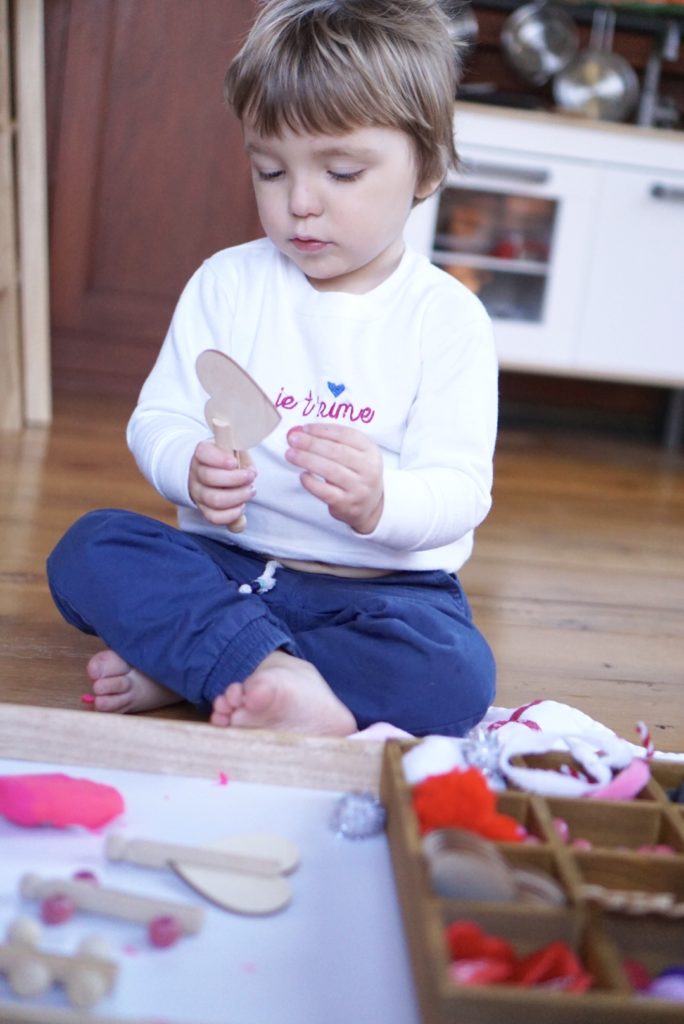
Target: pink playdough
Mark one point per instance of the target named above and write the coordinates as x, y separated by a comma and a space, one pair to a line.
58, 800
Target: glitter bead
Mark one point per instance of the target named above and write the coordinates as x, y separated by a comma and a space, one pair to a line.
358, 815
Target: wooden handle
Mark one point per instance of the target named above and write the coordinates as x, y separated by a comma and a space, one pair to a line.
113, 902
149, 853
223, 435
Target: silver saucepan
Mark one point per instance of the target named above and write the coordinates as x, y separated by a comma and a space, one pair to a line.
539, 39
598, 83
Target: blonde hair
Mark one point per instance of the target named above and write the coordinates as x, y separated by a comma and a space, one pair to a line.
330, 66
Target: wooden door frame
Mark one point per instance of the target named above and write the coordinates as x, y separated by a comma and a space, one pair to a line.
25, 384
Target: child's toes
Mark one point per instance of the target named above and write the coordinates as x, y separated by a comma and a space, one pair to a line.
111, 685
234, 696
113, 703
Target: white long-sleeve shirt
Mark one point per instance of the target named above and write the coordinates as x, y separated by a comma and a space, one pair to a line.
411, 364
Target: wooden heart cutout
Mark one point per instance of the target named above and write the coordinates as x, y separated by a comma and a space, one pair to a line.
236, 400
242, 892
238, 412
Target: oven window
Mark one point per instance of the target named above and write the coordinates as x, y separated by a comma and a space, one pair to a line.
499, 245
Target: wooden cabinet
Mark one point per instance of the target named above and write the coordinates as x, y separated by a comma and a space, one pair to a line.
575, 242
25, 395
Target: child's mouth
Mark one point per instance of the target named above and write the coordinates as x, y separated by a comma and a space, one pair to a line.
308, 244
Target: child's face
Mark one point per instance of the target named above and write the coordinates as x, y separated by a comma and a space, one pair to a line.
336, 204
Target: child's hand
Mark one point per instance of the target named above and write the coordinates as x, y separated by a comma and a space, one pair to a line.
219, 486
343, 468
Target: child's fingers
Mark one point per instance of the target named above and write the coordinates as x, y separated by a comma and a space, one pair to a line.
223, 499
327, 457
225, 479
333, 472
208, 453
348, 436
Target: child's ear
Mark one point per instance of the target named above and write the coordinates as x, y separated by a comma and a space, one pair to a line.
427, 187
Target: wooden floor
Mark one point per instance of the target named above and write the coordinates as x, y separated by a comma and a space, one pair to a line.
577, 578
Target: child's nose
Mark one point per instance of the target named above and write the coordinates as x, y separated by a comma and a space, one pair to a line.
304, 200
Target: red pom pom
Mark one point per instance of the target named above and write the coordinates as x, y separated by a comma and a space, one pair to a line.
467, 941
554, 964
462, 799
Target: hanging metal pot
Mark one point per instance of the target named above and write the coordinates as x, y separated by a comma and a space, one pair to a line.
539, 39
598, 83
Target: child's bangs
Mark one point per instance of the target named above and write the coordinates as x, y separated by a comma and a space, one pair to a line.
313, 102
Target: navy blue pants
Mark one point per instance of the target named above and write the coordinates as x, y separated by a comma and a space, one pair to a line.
400, 648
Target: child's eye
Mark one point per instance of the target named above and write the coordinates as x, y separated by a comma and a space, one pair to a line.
345, 175
268, 175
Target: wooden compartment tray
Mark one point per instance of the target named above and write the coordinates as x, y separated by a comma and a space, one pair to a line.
601, 937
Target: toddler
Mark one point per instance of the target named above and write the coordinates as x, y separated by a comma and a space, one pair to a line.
338, 605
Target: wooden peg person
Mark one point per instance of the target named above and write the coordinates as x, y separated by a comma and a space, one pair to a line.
153, 854
119, 903
86, 976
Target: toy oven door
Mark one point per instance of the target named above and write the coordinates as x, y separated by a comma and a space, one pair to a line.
514, 230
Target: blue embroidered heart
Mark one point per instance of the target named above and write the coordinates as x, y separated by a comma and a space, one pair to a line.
336, 389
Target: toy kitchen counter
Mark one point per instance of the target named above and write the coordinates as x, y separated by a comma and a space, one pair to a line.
569, 230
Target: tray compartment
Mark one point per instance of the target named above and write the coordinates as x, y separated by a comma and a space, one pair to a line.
543, 860
530, 929
632, 873
526, 810
655, 943
612, 824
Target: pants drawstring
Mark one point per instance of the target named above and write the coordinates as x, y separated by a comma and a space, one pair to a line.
262, 584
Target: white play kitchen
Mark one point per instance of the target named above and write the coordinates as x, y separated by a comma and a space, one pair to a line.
568, 226
571, 234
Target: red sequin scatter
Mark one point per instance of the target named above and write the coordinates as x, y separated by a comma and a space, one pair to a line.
462, 799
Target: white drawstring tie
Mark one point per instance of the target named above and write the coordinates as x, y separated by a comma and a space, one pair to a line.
262, 584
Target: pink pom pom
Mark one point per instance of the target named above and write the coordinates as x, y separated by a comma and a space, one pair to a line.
164, 931
562, 829
57, 909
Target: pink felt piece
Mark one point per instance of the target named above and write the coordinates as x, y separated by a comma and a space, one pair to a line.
626, 784
59, 800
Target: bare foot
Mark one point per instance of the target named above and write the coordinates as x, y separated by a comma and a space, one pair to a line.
120, 688
286, 694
